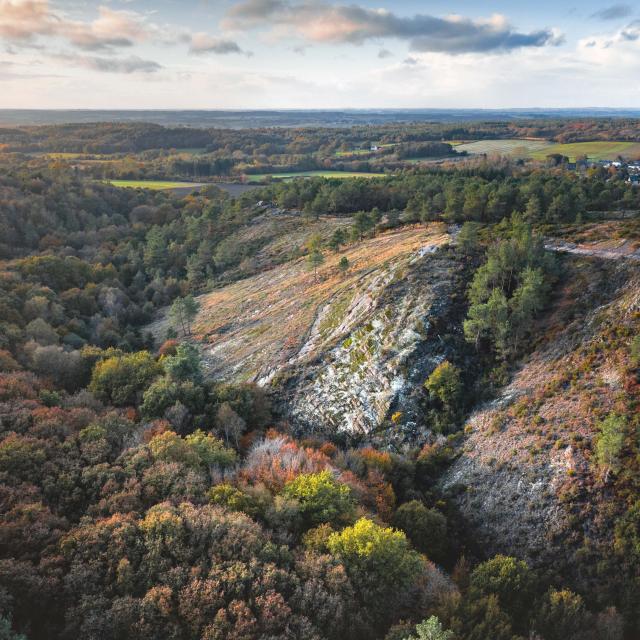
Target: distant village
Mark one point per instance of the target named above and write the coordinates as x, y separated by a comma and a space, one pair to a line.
631, 168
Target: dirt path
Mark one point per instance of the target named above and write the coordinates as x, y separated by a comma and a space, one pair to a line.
621, 252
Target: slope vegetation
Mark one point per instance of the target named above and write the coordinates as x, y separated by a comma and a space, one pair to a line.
534, 477
344, 346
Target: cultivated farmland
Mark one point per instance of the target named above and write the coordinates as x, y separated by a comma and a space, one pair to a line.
520, 147
597, 150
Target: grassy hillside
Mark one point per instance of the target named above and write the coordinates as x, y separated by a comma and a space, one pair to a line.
253, 326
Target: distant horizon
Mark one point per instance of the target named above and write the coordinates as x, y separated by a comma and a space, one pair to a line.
251, 118
316, 110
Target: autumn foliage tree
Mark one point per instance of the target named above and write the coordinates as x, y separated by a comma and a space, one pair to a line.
322, 499
122, 379
380, 562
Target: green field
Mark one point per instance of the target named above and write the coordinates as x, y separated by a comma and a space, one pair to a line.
261, 177
363, 152
63, 155
599, 150
354, 152
457, 143
514, 146
540, 149
155, 185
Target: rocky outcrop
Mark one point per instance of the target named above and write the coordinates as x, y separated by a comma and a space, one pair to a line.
374, 347
342, 352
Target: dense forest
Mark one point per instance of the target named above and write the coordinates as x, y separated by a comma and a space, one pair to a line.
150, 151
135, 137
141, 499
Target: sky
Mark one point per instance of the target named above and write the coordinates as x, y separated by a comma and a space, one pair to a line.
318, 54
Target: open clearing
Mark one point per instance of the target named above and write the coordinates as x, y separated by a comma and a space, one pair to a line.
353, 152
63, 155
154, 185
362, 152
515, 146
261, 177
597, 150
235, 189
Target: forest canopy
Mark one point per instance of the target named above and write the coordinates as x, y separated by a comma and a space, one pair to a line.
139, 498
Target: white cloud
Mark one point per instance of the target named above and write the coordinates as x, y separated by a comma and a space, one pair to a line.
24, 20
614, 12
111, 28
618, 51
205, 43
126, 65
319, 21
